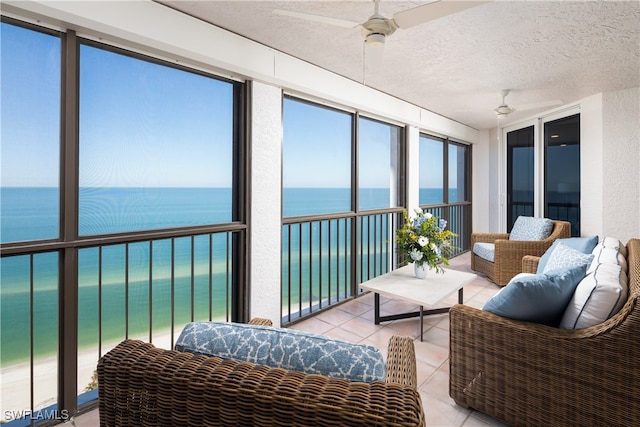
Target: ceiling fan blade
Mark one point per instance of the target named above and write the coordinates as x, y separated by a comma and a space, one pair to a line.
317, 18
428, 12
536, 105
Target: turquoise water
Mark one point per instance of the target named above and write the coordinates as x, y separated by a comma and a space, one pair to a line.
30, 214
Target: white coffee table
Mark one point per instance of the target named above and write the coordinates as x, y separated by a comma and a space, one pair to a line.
401, 284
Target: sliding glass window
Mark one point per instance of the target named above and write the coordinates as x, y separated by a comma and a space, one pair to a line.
520, 174
157, 152
30, 153
156, 145
29, 212
562, 170
148, 157
457, 172
445, 185
543, 169
341, 203
378, 164
316, 159
431, 170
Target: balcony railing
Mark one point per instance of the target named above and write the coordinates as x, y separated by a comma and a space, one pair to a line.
325, 257
145, 289
149, 285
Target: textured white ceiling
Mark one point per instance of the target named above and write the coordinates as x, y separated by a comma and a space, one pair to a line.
456, 65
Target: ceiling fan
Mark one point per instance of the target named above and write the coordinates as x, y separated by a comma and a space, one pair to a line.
377, 28
504, 110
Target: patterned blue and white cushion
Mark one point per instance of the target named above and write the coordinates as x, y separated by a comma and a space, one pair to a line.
564, 257
531, 228
485, 250
284, 348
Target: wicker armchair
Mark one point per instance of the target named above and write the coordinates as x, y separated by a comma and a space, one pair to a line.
141, 385
509, 253
528, 374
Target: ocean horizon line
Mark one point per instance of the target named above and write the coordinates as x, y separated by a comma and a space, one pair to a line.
194, 186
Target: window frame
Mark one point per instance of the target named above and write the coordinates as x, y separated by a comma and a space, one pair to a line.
69, 243
456, 213
363, 256
538, 163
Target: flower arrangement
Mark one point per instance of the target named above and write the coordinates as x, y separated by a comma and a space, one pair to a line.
425, 240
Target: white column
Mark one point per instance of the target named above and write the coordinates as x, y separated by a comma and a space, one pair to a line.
413, 168
591, 167
266, 201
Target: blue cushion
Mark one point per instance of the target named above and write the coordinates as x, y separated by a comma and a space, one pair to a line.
531, 228
540, 298
284, 348
582, 244
485, 250
564, 257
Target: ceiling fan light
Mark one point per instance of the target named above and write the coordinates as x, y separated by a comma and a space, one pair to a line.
504, 109
375, 40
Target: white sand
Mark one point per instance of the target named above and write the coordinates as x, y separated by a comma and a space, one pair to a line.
15, 380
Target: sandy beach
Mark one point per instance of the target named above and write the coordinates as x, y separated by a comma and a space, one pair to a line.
15, 379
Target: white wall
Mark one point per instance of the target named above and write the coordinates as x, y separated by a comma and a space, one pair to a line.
610, 155
621, 157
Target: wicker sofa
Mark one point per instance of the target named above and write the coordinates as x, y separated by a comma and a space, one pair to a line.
509, 253
529, 374
140, 385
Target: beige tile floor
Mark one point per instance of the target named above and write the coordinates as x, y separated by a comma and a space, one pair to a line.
353, 321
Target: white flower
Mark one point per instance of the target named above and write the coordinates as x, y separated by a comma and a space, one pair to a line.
416, 255
428, 215
418, 211
422, 240
434, 247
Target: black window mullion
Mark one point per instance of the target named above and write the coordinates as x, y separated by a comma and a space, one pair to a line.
355, 202
68, 296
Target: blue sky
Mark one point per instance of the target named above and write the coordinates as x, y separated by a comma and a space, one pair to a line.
30, 94
156, 126
312, 146
141, 124
317, 148
431, 163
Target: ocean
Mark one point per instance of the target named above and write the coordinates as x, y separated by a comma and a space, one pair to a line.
26, 214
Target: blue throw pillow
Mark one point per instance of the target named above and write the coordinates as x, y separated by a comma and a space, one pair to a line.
531, 228
540, 298
563, 257
582, 244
